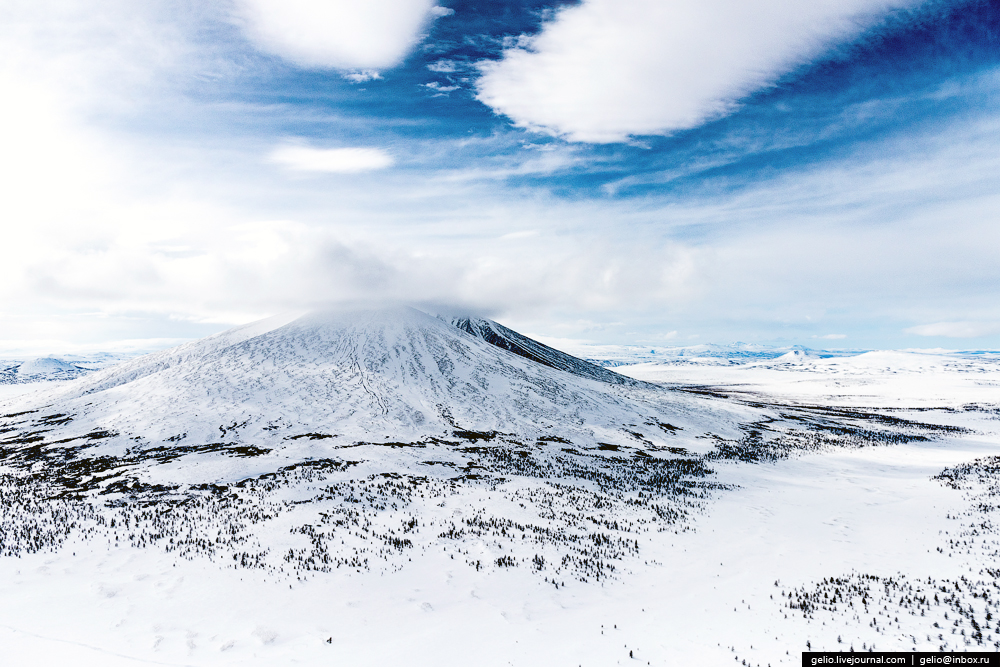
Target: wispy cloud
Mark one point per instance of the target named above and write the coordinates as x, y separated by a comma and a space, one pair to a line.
331, 160
957, 329
443, 66
362, 76
440, 89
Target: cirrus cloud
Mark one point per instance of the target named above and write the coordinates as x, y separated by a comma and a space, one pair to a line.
331, 160
956, 329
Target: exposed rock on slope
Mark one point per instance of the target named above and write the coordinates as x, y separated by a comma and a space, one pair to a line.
510, 340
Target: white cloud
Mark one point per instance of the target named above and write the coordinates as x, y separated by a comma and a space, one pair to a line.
341, 34
362, 76
331, 160
606, 69
831, 337
438, 88
957, 329
113, 227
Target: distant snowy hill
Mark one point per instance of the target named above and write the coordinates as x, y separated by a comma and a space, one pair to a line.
43, 369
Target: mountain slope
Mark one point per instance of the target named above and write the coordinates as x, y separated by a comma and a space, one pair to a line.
508, 339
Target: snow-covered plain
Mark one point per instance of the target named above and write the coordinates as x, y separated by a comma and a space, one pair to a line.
884, 379
533, 514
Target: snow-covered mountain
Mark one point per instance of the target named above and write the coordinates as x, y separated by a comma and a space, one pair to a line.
298, 388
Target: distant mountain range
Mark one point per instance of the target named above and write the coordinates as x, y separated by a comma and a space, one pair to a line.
611, 356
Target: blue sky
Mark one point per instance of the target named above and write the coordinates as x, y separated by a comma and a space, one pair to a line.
823, 174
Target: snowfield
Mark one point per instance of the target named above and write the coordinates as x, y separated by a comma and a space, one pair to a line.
385, 487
